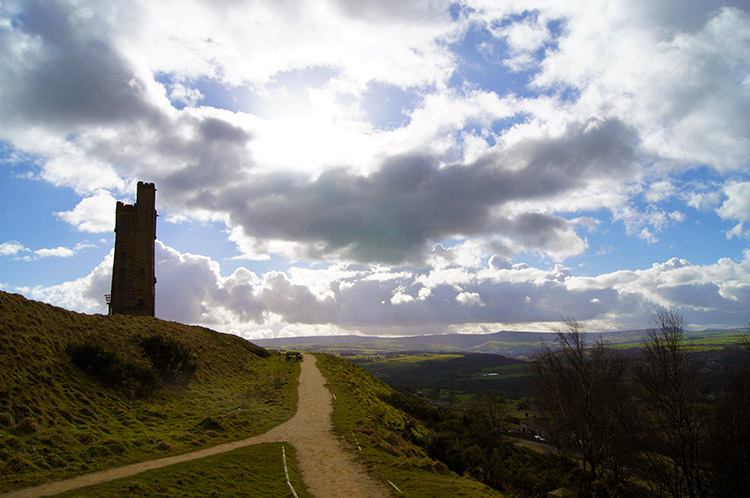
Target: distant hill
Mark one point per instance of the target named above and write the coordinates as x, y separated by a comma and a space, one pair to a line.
513, 344
59, 420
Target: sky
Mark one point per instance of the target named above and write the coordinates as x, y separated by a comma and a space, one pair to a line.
383, 167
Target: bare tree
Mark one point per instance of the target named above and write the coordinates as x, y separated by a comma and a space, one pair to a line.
583, 395
729, 447
674, 410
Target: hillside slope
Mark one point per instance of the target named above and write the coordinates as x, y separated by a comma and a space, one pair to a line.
57, 420
385, 436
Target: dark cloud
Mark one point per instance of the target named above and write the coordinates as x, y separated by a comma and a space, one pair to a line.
61, 71
217, 130
685, 15
707, 296
210, 161
391, 214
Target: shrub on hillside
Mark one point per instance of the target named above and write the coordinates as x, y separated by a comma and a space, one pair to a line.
112, 369
173, 360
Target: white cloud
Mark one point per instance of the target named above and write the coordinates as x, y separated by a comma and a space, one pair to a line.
524, 38
253, 42
702, 198
736, 207
367, 298
85, 294
181, 94
737, 204
57, 252
198, 154
93, 214
659, 191
649, 222
11, 248
23, 253
469, 299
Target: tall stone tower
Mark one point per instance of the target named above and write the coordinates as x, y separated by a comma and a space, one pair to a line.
133, 277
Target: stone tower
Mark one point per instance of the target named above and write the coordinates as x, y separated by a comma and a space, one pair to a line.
133, 277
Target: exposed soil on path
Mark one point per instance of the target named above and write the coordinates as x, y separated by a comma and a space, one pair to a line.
327, 469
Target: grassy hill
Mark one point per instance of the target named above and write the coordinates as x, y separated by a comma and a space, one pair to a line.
125, 405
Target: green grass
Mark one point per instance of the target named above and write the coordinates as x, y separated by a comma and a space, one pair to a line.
385, 434
57, 421
255, 471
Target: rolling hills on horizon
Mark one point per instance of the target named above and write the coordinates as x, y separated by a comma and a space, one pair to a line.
514, 344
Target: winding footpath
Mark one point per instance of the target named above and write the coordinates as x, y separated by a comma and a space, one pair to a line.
327, 469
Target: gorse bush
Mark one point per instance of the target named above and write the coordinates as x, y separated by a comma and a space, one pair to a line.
94, 359
111, 368
167, 360
173, 360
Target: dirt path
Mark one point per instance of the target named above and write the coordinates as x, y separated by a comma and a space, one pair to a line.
327, 469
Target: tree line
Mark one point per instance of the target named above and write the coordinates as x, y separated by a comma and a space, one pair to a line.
646, 417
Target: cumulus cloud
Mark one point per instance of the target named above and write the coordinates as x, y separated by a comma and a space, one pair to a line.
93, 214
659, 190
205, 160
678, 88
85, 294
62, 70
182, 95
364, 298
524, 38
648, 222
214, 39
423, 218
391, 214
11, 248
21, 252
736, 206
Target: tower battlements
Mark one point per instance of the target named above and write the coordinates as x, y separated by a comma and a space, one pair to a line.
133, 275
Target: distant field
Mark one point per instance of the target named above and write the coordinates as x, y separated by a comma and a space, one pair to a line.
455, 376
459, 377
